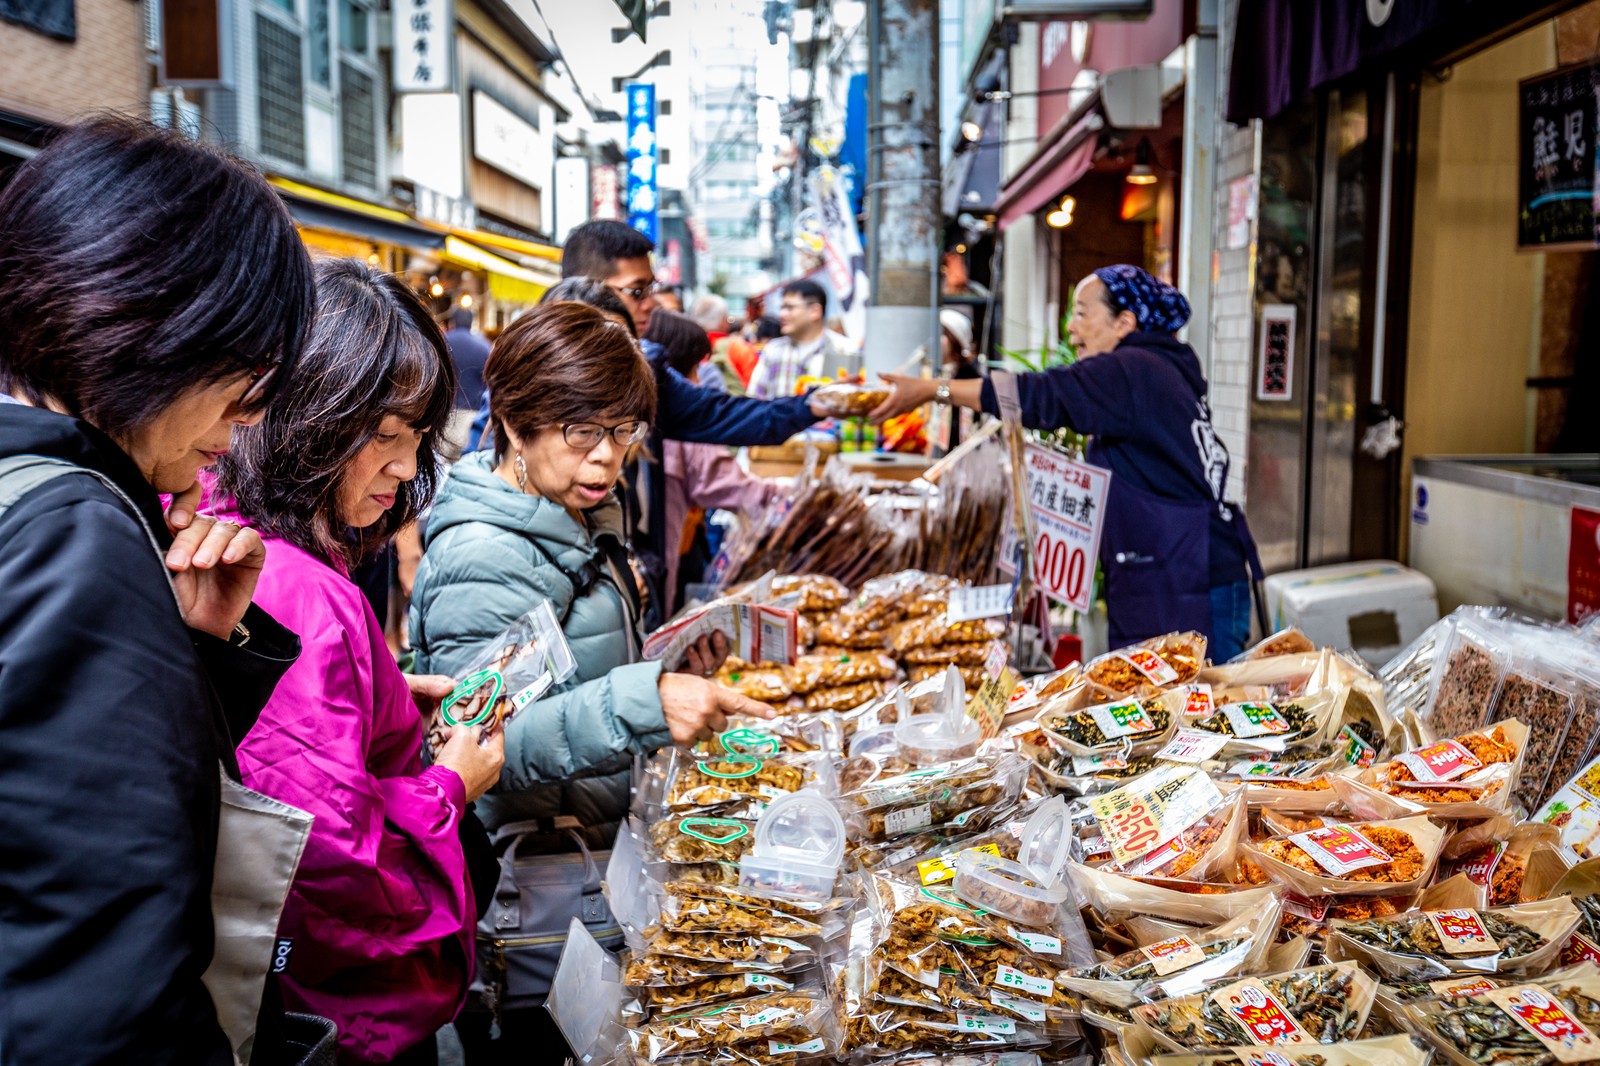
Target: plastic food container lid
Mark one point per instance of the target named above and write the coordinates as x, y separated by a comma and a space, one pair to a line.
879, 740
1047, 840
1013, 890
802, 827
933, 738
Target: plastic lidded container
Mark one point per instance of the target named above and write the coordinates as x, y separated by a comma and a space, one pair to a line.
930, 739
799, 842
1029, 890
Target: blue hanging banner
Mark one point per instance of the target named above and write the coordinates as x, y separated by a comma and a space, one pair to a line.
641, 189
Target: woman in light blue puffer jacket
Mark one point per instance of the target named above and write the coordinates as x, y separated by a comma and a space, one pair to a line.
537, 520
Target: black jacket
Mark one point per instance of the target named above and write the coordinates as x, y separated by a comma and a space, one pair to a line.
113, 718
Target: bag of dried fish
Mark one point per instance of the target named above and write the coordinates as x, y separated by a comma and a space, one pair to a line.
765, 682
812, 592
689, 907
1298, 782
1267, 727
1501, 865
789, 735
702, 839
874, 1029
969, 656
1289, 641
1158, 663
1180, 964
1465, 680
1542, 699
1419, 945
960, 794
655, 1000
1204, 851
1383, 1051
695, 783
782, 1016
845, 697
1465, 777
1308, 916
1125, 727
1555, 1019
933, 630
886, 985
812, 672
1078, 774
1173, 822
1382, 858
1324, 1005
1581, 884
1116, 897
650, 970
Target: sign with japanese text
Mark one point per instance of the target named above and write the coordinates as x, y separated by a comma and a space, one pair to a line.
1541, 1014
1583, 565
1255, 1008
1137, 819
1444, 761
606, 194
1275, 373
423, 39
640, 201
1340, 850
1068, 502
1556, 204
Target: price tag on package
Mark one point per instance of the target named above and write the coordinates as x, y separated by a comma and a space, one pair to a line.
1340, 850
979, 601
1255, 1008
1437, 763
1136, 819
1192, 746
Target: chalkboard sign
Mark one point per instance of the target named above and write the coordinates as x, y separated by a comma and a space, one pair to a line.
1557, 196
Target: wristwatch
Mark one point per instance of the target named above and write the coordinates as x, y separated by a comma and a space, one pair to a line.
941, 395
240, 635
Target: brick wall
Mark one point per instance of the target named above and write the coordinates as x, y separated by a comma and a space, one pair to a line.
1233, 298
58, 81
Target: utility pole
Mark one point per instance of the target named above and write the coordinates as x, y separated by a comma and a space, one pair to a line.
903, 217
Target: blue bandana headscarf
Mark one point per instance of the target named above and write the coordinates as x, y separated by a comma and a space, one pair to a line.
1159, 307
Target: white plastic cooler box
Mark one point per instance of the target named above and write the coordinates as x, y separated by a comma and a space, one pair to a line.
1375, 608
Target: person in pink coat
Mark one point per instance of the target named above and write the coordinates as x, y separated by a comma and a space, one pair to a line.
381, 914
698, 477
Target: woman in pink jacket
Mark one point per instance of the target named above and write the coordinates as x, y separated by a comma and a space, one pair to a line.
381, 914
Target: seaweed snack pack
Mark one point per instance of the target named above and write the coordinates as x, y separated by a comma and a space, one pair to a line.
521, 664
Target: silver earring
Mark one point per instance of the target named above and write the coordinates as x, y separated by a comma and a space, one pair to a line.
522, 472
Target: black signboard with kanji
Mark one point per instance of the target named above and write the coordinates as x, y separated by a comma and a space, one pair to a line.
1556, 165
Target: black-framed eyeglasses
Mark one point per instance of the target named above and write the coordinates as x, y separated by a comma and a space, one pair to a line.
585, 436
637, 294
260, 378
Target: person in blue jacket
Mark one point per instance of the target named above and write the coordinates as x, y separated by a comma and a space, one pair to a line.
1177, 555
618, 256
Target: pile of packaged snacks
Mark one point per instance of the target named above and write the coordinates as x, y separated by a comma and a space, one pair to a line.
1307, 894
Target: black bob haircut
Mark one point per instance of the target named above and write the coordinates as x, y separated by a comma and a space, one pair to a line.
593, 249
807, 290
374, 351
686, 344
136, 264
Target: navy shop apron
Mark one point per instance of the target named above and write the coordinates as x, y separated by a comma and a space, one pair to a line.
1157, 558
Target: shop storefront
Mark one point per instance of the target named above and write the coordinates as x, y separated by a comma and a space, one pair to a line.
1397, 314
1102, 186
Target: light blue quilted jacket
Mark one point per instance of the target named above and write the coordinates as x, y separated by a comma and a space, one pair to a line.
492, 554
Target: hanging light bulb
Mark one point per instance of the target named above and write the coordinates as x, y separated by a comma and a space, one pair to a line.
1061, 217
466, 299
435, 289
971, 131
1142, 173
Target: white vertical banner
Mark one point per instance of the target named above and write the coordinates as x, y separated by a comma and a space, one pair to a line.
423, 39
842, 255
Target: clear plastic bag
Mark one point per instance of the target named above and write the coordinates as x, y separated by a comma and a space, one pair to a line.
1465, 680
1383, 858
884, 804
1181, 963
694, 783
1123, 727
783, 1016
1323, 1005
1424, 945
1174, 659
1469, 777
1532, 1022
522, 663
1382, 1051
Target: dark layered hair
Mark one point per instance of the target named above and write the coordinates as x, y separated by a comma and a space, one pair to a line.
136, 264
565, 362
595, 294
809, 291
593, 249
375, 351
682, 339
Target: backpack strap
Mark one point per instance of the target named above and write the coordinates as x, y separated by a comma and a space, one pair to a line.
21, 474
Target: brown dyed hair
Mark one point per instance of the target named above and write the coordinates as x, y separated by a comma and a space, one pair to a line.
565, 362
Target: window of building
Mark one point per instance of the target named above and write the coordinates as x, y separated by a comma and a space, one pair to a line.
319, 37
280, 92
355, 27
664, 156
731, 228
358, 128
720, 191
735, 264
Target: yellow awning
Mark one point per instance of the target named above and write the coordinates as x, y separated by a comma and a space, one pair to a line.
507, 280
348, 203
530, 249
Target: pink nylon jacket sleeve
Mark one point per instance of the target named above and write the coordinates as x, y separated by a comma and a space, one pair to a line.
381, 912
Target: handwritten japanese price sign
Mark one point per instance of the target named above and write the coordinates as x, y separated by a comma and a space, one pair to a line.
1138, 818
1068, 500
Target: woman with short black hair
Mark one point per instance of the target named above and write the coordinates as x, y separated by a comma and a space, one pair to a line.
381, 909
153, 295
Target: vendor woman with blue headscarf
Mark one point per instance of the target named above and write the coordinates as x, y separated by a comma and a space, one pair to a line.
1177, 555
